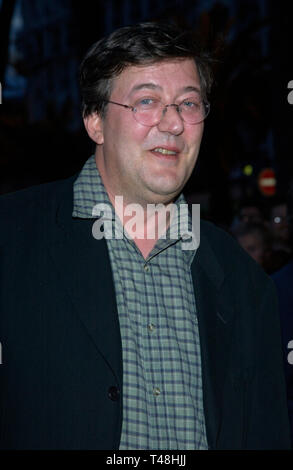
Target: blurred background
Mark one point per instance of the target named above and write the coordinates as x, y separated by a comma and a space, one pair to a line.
245, 166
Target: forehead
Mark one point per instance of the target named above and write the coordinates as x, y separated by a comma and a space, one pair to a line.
167, 76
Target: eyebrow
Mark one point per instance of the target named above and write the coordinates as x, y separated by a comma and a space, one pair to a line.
153, 86
190, 88
150, 85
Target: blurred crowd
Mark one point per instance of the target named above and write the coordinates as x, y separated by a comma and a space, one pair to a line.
264, 232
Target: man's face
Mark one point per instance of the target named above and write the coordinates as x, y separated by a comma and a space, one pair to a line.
251, 214
126, 156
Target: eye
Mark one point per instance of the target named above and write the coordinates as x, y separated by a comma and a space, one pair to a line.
145, 103
190, 104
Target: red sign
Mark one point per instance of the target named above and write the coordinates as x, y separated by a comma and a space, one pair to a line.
267, 182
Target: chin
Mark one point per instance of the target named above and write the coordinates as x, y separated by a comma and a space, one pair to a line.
167, 192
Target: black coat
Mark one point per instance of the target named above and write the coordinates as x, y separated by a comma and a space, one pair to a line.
284, 283
61, 371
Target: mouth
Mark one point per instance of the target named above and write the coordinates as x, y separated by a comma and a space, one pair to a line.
167, 153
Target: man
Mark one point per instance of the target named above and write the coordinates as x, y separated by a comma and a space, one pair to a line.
135, 342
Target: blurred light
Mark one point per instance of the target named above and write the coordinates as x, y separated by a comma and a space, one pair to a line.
248, 170
267, 182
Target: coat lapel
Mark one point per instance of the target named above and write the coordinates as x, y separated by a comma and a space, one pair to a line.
214, 318
84, 268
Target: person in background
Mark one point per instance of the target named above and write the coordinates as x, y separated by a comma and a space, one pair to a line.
251, 212
254, 239
262, 230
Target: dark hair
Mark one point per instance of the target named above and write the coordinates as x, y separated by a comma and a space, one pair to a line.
144, 43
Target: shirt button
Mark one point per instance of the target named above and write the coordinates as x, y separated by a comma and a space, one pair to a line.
113, 393
146, 268
151, 327
156, 391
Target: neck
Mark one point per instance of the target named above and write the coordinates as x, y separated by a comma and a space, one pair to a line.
145, 223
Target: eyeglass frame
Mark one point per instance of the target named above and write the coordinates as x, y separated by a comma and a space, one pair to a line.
165, 106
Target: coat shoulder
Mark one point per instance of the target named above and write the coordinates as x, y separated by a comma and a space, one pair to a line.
25, 208
34, 194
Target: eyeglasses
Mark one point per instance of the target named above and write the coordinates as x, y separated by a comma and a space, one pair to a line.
150, 111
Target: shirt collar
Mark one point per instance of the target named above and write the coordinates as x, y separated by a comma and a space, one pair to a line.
89, 190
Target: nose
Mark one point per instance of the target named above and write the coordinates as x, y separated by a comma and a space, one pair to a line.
171, 120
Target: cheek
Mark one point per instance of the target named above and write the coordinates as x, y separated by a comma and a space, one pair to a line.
197, 133
129, 135
193, 136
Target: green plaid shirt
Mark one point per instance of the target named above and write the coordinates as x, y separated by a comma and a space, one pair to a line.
162, 380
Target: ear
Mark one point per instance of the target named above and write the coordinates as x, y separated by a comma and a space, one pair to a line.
94, 127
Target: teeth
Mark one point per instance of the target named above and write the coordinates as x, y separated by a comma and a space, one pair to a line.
164, 151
